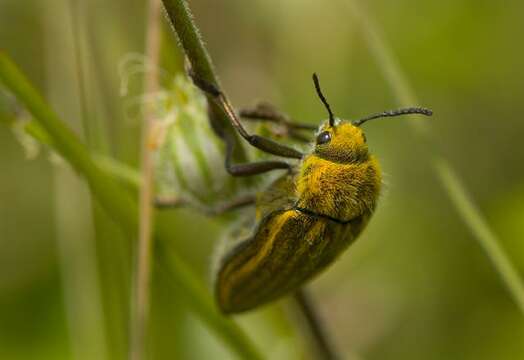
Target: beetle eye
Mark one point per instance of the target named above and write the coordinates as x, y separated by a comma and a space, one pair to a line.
323, 138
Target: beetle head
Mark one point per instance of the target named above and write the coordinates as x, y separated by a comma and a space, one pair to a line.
344, 141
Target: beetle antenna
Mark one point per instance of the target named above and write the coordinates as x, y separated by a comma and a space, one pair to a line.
323, 99
392, 113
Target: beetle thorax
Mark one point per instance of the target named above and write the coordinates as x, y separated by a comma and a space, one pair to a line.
340, 190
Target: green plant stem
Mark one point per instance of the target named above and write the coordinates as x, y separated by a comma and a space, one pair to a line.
472, 216
75, 8
117, 170
121, 207
450, 179
181, 19
92, 127
68, 145
140, 310
311, 317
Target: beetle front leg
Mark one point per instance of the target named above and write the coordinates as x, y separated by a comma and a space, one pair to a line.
267, 145
253, 168
236, 204
256, 168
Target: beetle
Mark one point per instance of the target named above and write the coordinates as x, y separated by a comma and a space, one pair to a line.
308, 216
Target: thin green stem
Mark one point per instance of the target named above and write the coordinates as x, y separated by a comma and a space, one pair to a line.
140, 310
91, 124
450, 179
118, 204
312, 319
75, 9
77, 256
488, 240
116, 169
181, 19
67, 144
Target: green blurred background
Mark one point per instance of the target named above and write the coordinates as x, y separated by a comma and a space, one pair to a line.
416, 285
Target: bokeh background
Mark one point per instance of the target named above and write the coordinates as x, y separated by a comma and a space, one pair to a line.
416, 285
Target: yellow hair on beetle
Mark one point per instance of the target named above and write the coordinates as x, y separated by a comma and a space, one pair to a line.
339, 179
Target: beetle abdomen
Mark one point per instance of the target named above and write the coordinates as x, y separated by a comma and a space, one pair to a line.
287, 248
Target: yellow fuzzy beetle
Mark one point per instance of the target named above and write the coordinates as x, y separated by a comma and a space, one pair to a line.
308, 216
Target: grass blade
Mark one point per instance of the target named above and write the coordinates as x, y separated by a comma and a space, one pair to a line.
141, 294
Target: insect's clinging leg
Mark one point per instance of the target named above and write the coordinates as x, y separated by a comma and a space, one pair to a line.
264, 144
255, 168
236, 204
266, 112
170, 203
287, 133
250, 169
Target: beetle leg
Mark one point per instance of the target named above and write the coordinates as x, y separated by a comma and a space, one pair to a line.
252, 168
267, 112
174, 203
233, 205
255, 168
264, 111
262, 143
